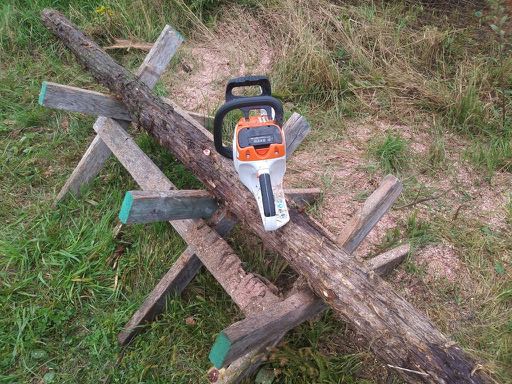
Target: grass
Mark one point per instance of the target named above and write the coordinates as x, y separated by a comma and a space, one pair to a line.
67, 285
391, 152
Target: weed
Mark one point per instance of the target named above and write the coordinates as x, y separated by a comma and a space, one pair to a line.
391, 152
437, 152
494, 154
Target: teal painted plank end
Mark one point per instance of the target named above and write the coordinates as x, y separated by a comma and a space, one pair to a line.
126, 207
219, 350
42, 94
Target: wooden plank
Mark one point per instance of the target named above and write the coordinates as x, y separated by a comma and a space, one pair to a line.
150, 206
173, 283
71, 99
386, 262
261, 329
159, 57
373, 209
296, 129
397, 333
149, 72
89, 166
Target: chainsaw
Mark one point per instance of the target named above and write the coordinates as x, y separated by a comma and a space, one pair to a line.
258, 149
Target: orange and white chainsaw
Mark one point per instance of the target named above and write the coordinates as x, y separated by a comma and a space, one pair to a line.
259, 148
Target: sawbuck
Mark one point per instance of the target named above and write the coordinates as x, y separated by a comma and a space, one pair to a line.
399, 335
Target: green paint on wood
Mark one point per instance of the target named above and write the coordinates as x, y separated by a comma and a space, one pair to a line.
126, 207
219, 350
42, 94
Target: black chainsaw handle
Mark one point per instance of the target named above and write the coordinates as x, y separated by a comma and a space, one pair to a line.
247, 81
253, 102
267, 195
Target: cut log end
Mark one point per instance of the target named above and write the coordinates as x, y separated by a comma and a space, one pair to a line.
220, 350
126, 207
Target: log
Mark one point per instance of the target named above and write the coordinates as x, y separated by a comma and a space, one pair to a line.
140, 207
397, 333
97, 154
260, 330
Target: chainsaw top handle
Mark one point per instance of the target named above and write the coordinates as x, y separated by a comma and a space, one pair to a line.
248, 81
246, 104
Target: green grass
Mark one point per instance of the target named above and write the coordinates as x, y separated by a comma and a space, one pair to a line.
67, 285
391, 152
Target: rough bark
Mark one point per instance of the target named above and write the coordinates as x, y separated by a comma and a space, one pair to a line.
397, 333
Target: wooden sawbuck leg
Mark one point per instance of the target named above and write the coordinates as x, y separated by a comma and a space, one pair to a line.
98, 153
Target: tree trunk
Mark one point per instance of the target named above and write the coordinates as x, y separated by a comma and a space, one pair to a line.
397, 333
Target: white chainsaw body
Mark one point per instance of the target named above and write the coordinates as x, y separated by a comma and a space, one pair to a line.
249, 172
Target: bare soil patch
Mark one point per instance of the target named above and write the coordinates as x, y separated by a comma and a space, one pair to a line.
239, 47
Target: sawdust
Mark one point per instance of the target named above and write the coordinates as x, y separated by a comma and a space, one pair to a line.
238, 47
458, 192
440, 261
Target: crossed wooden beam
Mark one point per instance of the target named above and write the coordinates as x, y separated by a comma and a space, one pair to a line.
240, 348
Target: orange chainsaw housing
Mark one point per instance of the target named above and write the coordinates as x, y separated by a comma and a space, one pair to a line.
273, 151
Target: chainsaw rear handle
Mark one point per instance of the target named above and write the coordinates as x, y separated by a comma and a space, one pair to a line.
267, 195
252, 102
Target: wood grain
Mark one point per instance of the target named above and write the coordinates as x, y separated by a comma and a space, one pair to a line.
140, 207
384, 263
153, 206
72, 99
295, 136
